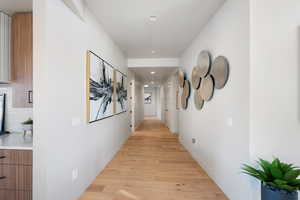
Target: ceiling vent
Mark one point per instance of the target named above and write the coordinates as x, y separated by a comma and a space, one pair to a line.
5, 37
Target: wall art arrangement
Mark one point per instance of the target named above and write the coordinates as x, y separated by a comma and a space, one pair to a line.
106, 89
147, 98
206, 76
120, 92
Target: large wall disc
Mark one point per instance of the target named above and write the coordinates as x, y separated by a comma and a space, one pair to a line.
196, 77
199, 102
204, 63
220, 71
181, 78
186, 89
207, 88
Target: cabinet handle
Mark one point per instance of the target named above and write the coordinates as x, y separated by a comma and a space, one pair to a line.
2, 157
30, 96
2, 177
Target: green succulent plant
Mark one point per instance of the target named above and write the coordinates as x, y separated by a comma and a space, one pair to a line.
278, 174
27, 122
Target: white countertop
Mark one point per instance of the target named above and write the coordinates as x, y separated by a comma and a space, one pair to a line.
16, 141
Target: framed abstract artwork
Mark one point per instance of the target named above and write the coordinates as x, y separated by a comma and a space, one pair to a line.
120, 92
147, 98
2, 113
100, 88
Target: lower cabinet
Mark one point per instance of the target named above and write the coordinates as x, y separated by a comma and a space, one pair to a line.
15, 174
15, 195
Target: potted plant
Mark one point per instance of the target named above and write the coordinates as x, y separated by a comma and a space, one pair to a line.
278, 179
27, 125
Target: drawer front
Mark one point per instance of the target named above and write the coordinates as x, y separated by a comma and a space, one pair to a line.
16, 157
16, 177
15, 195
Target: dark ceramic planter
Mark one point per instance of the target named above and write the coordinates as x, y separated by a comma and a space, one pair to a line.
273, 193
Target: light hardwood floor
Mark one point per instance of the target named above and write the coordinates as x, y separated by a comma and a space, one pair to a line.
152, 165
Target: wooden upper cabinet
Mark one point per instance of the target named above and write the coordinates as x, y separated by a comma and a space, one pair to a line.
21, 47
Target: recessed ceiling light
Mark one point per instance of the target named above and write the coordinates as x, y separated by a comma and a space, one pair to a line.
152, 82
152, 18
152, 72
153, 52
146, 85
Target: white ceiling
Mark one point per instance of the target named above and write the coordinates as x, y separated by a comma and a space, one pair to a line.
12, 6
178, 23
161, 74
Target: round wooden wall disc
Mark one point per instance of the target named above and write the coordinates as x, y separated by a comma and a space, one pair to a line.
220, 71
196, 77
199, 102
207, 88
181, 78
204, 63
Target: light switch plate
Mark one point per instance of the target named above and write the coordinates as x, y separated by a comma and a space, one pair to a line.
230, 122
74, 174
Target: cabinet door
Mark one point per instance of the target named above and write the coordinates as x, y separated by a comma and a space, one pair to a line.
22, 59
16, 177
15, 157
15, 195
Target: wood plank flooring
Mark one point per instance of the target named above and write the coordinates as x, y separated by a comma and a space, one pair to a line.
152, 165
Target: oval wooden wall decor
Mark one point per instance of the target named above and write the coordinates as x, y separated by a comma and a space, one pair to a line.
207, 88
185, 94
220, 71
206, 76
186, 89
183, 102
204, 63
196, 77
199, 102
181, 78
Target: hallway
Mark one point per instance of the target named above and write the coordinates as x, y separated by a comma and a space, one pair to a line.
152, 165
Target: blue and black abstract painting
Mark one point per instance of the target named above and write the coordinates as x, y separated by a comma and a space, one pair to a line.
101, 88
121, 92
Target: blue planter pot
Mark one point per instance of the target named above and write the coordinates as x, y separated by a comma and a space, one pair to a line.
273, 193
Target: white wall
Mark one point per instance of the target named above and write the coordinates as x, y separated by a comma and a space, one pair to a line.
61, 40
171, 113
139, 103
158, 103
162, 103
14, 116
130, 96
151, 109
275, 80
221, 148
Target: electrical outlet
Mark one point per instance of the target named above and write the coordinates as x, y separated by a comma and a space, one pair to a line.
74, 174
193, 141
